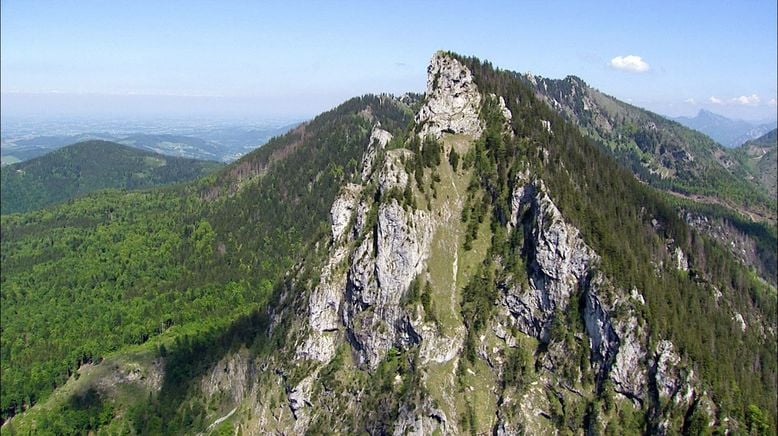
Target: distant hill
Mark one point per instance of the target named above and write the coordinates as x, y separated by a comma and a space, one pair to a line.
175, 145
725, 131
90, 166
760, 156
220, 143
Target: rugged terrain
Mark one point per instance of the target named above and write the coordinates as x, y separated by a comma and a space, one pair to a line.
468, 262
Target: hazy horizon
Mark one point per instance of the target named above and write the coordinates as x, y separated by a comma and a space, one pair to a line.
249, 60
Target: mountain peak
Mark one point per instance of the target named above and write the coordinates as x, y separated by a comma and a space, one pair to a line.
453, 99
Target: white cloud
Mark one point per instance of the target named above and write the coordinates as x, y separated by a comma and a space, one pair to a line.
715, 100
773, 102
747, 100
691, 101
631, 63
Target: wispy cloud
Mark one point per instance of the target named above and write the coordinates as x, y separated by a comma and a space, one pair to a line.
747, 100
690, 101
773, 102
631, 63
715, 100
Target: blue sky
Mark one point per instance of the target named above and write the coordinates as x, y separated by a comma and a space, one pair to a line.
252, 59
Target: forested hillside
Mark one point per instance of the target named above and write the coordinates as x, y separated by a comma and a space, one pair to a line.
658, 151
89, 166
471, 262
91, 276
760, 156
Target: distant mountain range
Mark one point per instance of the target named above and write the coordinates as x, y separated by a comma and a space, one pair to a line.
223, 144
725, 131
86, 167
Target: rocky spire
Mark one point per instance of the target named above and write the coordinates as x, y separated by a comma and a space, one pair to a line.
453, 99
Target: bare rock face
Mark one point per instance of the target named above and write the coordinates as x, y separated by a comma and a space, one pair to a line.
453, 100
379, 277
343, 209
681, 263
424, 420
393, 173
233, 376
382, 269
672, 382
562, 266
300, 403
378, 140
561, 260
628, 372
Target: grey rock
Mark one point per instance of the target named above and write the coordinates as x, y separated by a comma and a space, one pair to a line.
560, 264
233, 377
681, 263
378, 140
393, 173
453, 99
343, 209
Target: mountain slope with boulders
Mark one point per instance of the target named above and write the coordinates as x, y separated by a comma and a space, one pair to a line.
89, 166
467, 263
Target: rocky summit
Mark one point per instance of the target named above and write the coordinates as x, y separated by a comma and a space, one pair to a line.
480, 267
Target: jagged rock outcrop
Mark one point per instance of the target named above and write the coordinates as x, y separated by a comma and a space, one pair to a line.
384, 266
300, 402
378, 140
233, 376
681, 263
453, 100
424, 421
561, 266
672, 380
560, 262
343, 209
361, 293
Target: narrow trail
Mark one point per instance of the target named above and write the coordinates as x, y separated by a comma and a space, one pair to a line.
220, 420
455, 264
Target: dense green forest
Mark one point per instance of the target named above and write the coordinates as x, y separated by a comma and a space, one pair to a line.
89, 166
90, 276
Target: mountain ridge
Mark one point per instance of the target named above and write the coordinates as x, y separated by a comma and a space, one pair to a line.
458, 266
85, 167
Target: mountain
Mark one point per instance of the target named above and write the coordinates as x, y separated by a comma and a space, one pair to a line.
712, 187
467, 262
725, 131
89, 166
20, 150
759, 156
660, 152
